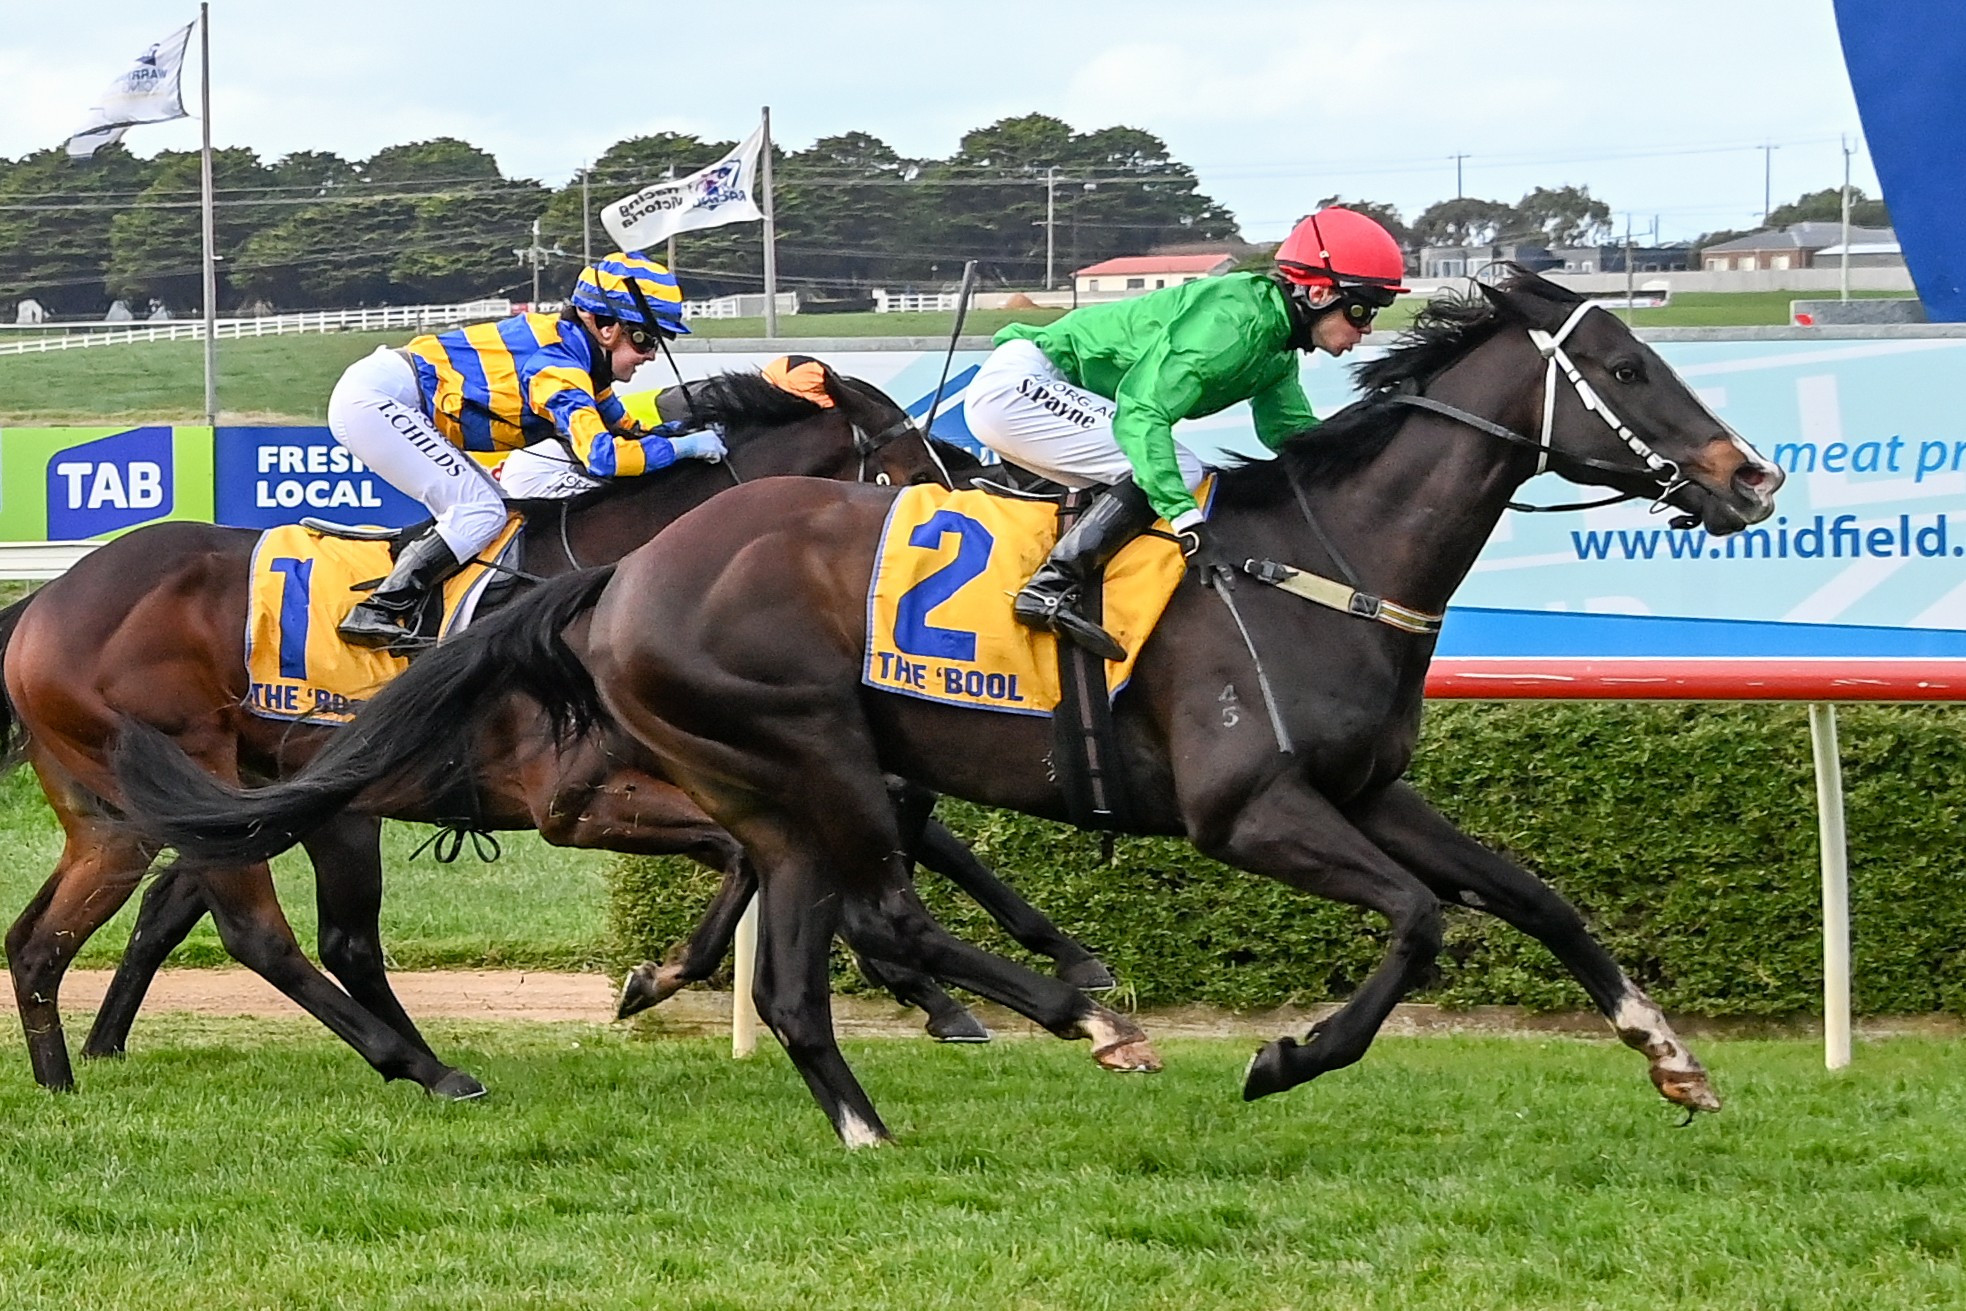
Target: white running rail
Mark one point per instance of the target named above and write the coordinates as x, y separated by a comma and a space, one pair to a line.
39, 561
270, 325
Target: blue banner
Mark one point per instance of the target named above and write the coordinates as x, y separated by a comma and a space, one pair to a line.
268, 476
1907, 65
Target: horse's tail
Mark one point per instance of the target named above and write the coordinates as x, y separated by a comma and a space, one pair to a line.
13, 733
415, 736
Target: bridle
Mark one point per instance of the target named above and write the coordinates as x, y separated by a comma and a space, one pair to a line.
1550, 346
1349, 598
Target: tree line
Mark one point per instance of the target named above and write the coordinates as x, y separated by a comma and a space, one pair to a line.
437, 221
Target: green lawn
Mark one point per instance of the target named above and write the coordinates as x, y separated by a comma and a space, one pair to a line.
539, 907
243, 1164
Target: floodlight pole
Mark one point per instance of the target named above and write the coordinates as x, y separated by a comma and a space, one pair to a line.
771, 235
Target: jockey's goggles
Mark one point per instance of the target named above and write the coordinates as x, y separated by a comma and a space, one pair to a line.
648, 335
1360, 305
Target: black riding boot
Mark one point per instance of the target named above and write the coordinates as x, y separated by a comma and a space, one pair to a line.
1050, 600
384, 616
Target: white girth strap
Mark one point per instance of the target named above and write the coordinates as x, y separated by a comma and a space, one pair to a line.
1550, 346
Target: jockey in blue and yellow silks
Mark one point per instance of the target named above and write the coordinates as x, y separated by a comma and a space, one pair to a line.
411, 414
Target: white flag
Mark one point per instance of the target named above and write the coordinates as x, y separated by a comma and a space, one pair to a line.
147, 93
725, 192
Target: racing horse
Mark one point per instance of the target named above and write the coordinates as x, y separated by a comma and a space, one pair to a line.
731, 647
152, 626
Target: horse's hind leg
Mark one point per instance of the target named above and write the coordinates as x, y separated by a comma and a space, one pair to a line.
346, 853
1459, 868
948, 1019
946, 854
170, 908
98, 870
255, 931
1292, 834
697, 957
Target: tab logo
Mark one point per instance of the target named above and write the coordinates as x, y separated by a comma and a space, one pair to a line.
114, 482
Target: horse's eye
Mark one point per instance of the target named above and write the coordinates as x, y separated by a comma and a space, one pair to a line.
1625, 373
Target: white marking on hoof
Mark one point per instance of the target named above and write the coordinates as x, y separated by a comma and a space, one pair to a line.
857, 1133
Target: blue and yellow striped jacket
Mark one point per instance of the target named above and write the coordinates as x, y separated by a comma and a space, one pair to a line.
529, 378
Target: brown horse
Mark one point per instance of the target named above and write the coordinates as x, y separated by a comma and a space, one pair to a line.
732, 645
151, 626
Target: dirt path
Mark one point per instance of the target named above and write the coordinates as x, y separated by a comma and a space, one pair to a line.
527, 995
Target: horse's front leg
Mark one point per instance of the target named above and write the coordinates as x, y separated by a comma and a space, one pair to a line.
1292, 834
1459, 868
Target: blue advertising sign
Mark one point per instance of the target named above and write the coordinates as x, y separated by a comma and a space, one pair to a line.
264, 477
111, 483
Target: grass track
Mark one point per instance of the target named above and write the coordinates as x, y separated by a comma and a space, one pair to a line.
539, 907
238, 1164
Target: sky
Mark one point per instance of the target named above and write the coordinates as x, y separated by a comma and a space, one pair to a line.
1661, 108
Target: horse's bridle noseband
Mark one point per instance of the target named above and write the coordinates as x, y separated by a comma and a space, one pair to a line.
1550, 346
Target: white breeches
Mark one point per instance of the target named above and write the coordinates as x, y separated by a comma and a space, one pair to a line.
375, 413
1022, 407
544, 469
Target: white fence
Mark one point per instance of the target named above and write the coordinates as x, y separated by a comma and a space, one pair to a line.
39, 561
748, 305
909, 302
271, 325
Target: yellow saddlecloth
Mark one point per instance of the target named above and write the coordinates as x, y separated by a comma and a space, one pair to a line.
939, 625
302, 587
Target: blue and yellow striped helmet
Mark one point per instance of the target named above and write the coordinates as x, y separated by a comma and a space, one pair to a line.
633, 288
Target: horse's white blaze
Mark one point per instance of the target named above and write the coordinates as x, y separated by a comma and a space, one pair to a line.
856, 1132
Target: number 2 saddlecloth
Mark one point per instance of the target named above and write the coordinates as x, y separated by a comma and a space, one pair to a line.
939, 625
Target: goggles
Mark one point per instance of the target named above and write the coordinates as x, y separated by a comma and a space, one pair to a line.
648, 335
1360, 305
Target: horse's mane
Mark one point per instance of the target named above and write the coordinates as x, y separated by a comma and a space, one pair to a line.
731, 400
1444, 330
741, 403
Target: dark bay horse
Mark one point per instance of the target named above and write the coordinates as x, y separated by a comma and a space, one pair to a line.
731, 647
151, 626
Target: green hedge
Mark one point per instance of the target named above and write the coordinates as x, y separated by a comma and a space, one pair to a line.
1685, 833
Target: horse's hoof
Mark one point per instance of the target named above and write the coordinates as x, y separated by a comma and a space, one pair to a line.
1688, 1088
648, 984
458, 1086
1266, 1073
960, 1026
1128, 1056
1089, 975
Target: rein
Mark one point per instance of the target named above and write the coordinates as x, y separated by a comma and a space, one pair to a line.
1348, 598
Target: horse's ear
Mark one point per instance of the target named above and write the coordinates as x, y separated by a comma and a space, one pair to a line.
1503, 302
830, 383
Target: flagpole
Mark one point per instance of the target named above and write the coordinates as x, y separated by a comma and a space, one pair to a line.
771, 238
211, 265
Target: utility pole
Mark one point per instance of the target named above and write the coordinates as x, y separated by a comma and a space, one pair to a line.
1845, 277
1050, 219
771, 233
534, 255
586, 221
1630, 291
670, 262
1767, 180
1457, 174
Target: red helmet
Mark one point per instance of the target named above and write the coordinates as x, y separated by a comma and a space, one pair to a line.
1337, 246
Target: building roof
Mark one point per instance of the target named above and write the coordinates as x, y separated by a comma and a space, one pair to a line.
1138, 264
1804, 236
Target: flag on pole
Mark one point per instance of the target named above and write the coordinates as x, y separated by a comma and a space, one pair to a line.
725, 192
148, 92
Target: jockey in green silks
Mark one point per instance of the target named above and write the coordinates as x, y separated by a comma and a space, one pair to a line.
1092, 399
